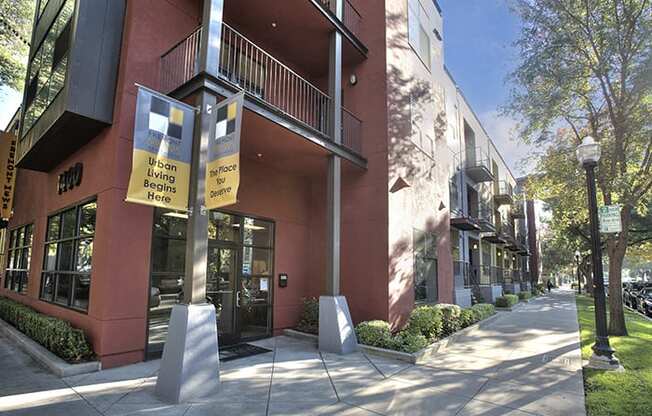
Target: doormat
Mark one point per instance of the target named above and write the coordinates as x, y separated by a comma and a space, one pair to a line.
234, 352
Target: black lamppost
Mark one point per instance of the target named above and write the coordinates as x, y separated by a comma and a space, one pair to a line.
577, 261
588, 154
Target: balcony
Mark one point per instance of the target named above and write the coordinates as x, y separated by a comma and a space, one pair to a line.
266, 80
464, 222
503, 193
478, 165
496, 236
517, 276
486, 217
522, 246
462, 273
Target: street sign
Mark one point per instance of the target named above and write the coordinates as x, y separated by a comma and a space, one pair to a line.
610, 219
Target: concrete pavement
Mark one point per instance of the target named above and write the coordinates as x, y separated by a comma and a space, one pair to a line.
524, 362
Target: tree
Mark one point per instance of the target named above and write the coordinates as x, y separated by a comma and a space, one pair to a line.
15, 29
587, 65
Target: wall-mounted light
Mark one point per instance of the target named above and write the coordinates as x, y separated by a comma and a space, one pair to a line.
274, 24
499, 254
353, 79
475, 246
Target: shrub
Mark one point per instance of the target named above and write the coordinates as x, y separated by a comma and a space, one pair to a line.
468, 318
54, 334
407, 341
375, 333
426, 321
483, 310
309, 319
450, 318
524, 295
506, 301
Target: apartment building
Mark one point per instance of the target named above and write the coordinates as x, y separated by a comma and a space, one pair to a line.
364, 171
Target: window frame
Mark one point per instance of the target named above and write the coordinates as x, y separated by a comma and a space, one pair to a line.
426, 253
56, 272
14, 254
415, 39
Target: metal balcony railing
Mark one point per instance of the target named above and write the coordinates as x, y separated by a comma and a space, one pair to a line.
477, 158
249, 67
516, 276
462, 269
485, 275
485, 212
518, 207
507, 276
503, 193
351, 17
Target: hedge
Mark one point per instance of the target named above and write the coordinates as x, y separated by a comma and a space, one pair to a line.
53, 333
309, 318
506, 301
524, 295
425, 325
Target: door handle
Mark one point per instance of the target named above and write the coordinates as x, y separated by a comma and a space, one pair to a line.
237, 299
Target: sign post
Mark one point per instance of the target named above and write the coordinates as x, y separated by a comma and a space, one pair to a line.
610, 219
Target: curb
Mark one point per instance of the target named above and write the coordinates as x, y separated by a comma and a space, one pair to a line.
412, 358
54, 364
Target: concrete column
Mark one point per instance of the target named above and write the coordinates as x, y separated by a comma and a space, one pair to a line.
211, 37
336, 333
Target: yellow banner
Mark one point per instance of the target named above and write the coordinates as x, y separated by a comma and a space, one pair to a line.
223, 166
158, 181
163, 134
7, 173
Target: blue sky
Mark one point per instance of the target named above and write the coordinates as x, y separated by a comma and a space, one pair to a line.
478, 37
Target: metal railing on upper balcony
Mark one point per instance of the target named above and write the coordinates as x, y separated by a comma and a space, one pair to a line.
477, 157
350, 15
503, 188
249, 67
485, 212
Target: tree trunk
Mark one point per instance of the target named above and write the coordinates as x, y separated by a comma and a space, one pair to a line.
616, 248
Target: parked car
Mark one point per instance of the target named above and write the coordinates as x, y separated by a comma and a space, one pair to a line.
630, 292
644, 300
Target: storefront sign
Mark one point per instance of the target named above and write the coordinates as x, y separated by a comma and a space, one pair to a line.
163, 134
610, 219
7, 173
71, 178
223, 166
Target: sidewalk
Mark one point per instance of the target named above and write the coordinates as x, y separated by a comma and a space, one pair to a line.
524, 362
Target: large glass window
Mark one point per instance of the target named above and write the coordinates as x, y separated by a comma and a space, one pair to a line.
47, 68
418, 34
19, 254
425, 266
66, 277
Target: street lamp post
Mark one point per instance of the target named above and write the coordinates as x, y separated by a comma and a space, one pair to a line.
577, 261
588, 154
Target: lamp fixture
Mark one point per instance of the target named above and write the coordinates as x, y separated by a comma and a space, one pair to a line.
353, 79
589, 151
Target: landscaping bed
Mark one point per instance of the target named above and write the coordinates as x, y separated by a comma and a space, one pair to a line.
618, 393
56, 335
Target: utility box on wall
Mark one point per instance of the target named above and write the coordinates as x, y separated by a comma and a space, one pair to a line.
71, 78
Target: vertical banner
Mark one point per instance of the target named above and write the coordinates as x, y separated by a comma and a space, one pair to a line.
7, 172
163, 134
223, 162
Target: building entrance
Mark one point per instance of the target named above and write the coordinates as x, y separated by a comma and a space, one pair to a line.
238, 279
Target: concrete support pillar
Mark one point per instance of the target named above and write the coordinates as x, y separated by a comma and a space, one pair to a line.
336, 332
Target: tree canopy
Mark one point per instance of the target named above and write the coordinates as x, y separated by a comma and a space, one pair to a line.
15, 28
586, 69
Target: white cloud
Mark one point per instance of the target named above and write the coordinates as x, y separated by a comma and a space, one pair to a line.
503, 132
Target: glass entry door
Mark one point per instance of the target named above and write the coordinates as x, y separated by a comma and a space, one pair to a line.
221, 284
239, 275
